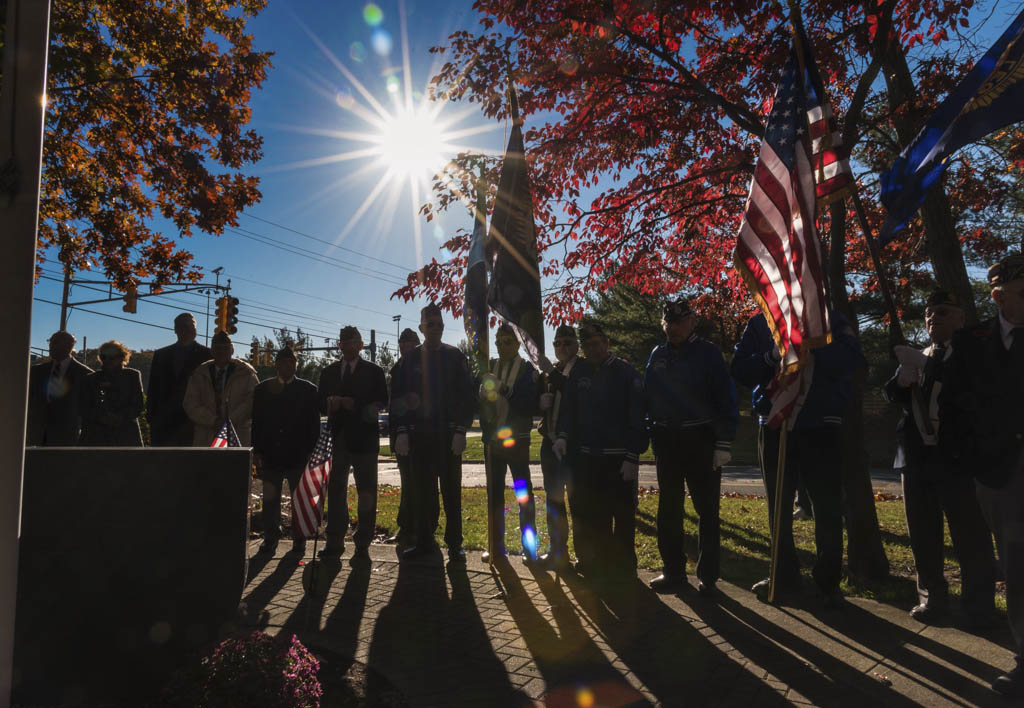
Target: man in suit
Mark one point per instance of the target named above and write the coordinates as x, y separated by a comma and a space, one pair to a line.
172, 367
407, 341
55, 391
982, 417
435, 401
602, 431
352, 392
508, 397
221, 390
933, 485
813, 448
285, 428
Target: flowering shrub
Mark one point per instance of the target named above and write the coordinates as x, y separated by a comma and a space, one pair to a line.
256, 671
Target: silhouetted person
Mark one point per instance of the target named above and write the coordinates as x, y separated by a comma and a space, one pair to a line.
406, 536
112, 401
220, 390
54, 399
169, 425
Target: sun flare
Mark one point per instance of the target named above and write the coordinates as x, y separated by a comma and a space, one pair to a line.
413, 144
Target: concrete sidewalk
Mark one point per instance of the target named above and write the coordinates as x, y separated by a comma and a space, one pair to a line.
470, 636
736, 479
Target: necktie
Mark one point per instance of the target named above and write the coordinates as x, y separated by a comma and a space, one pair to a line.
933, 370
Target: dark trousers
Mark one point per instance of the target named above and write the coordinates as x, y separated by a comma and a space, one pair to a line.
813, 454
604, 515
928, 491
1004, 510
273, 479
364, 469
686, 456
432, 464
556, 482
516, 459
407, 498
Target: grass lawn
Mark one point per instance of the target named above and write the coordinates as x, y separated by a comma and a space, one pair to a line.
745, 540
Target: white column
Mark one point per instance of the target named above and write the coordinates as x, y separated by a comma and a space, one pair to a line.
21, 142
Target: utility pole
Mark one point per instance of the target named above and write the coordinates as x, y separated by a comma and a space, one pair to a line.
373, 346
64, 300
397, 319
22, 107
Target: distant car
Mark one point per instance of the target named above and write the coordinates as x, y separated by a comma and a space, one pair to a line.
382, 424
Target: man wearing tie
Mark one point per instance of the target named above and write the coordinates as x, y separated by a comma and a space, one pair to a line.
173, 365
352, 392
55, 388
221, 390
982, 416
932, 484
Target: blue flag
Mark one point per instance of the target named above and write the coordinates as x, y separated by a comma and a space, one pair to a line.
474, 308
990, 97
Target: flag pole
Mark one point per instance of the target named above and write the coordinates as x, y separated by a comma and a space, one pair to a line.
780, 474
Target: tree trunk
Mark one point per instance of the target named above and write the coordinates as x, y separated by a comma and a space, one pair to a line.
865, 555
939, 226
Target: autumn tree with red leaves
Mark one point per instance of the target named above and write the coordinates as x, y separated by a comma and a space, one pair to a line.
644, 120
147, 105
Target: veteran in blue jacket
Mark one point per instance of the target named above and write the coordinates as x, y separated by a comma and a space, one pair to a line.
692, 416
813, 448
601, 428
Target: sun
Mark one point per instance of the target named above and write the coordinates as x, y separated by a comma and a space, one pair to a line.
413, 144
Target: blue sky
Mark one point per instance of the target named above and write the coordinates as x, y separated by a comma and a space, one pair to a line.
324, 52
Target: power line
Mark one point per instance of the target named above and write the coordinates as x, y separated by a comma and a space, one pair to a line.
309, 295
329, 243
326, 260
106, 314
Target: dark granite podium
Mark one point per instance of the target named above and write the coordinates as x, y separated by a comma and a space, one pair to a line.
130, 560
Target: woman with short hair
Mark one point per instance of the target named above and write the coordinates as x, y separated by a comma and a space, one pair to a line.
112, 400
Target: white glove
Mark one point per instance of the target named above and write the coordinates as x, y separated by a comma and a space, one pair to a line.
559, 447
629, 470
458, 443
720, 459
908, 355
402, 444
544, 364
546, 401
907, 375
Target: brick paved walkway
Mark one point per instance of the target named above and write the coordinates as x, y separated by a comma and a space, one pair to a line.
450, 636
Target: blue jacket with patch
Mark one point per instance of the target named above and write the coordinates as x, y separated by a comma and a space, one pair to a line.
831, 387
689, 386
602, 411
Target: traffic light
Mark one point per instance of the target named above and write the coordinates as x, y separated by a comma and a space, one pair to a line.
254, 353
130, 299
231, 317
222, 314
227, 314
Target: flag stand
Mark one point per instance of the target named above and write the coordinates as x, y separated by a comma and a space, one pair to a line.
780, 474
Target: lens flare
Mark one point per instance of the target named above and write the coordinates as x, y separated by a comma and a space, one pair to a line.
504, 432
381, 42
530, 542
584, 698
372, 15
511, 442
357, 52
393, 84
522, 491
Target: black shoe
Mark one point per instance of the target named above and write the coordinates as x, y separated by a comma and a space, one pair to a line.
762, 589
268, 548
456, 555
529, 560
558, 562
929, 613
833, 600
1010, 684
333, 549
298, 548
706, 589
360, 557
668, 583
420, 551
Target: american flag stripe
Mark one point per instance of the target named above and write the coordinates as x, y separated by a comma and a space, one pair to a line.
778, 251
829, 157
307, 501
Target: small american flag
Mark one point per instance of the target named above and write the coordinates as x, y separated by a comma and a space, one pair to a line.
307, 501
778, 252
226, 436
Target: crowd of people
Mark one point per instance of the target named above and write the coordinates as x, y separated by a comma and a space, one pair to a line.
961, 440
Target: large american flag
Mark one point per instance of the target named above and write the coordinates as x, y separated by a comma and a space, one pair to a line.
778, 252
307, 500
226, 436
